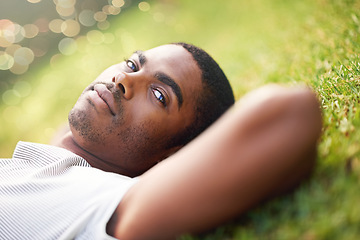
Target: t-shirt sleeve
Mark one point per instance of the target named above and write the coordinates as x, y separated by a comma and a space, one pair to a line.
94, 223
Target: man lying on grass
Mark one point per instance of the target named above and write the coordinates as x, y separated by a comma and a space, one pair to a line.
137, 115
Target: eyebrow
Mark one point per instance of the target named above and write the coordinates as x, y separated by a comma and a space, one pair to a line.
164, 78
142, 58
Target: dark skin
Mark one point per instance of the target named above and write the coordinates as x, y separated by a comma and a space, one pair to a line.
260, 148
145, 99
263, 146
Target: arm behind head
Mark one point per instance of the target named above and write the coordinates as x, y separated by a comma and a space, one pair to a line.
266, 144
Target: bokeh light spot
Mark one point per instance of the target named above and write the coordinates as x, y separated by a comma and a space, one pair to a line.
4, 43
65, 3
67, 46
70, 28
100, 16
118, 3
86, 18
159, 17
144, 6
18, 36
34, 1
111, 10
55, 25
9, 35
116, 11
65, 11
6, 24
106, 9
30, 31
6, 61
21, 44
95, 37
11, 97
55, 60
103, 25
24, 56
11, 49
19, 69
8, 31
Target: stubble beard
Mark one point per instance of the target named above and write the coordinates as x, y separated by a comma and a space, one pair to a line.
83, 123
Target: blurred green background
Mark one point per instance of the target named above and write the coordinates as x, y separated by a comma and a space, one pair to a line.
311, 42
253, 41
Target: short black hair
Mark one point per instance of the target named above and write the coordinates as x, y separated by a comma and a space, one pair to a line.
214, 99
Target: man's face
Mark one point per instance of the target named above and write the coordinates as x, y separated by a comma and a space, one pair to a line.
128, 115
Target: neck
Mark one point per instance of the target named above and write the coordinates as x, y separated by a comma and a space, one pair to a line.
68, 142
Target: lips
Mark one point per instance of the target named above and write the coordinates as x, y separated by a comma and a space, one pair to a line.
105, 94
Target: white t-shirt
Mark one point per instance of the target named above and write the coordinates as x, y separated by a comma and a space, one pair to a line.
48, 192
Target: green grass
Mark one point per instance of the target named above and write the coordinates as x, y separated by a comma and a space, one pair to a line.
312, 42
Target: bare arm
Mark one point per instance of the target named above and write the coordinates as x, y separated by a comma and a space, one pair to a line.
263, 146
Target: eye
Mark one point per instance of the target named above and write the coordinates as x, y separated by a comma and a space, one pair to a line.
131, 64
159, 96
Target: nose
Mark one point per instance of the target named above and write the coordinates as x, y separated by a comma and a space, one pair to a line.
125, 84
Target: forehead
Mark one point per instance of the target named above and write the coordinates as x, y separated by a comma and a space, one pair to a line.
179, 64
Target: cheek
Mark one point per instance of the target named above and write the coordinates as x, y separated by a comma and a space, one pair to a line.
159, 124
143, 109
